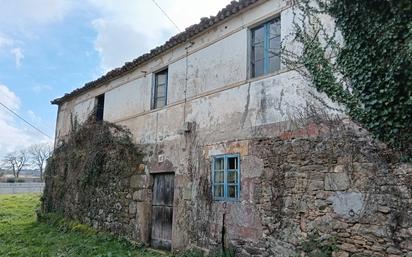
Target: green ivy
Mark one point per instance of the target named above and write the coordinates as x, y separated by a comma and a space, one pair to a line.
375, 61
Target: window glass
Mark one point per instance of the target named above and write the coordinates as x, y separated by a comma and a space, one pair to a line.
274, 28
232, 177
161, 78
258, 34
232, 191
218, 192
219, 176
265, 48
160, 90
219, 164
160, 102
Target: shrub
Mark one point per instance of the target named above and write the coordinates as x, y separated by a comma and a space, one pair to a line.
11, 180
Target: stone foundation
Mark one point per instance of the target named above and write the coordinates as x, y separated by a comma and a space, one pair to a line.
336, 183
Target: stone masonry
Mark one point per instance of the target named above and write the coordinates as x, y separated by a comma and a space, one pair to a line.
336, 183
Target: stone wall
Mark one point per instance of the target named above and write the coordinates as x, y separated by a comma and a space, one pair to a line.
332, 181
97, 177
339, 184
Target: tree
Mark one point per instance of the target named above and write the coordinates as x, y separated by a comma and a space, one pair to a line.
39, 154
16, 161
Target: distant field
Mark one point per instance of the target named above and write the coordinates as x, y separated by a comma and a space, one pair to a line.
22, 236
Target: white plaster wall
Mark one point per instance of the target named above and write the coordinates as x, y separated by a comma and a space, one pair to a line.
69, 112
220, 96
82, 110
222, 63
128, 99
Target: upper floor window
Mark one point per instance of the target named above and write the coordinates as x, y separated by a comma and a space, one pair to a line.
160, 90
226, 177
99, 107
265, 52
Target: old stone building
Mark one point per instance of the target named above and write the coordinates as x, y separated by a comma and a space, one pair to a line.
225, 162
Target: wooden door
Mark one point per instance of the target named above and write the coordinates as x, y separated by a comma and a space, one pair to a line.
162, 211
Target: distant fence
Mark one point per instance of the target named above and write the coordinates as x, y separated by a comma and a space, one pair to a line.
18, 188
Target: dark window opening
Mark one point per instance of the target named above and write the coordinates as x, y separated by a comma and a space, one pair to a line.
99, 107
265, 48
160, 90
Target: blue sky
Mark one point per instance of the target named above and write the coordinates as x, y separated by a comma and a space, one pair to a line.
50, 47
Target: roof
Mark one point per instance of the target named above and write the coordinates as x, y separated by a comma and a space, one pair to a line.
205, 23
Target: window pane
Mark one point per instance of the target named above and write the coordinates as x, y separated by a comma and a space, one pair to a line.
219, 191
258, 34
258, 68
161, 78
232, 177
257, 52
219, 164
274, 46
232, 163
274, 63
161, 90
232, 192
219, 177
274, 28
160, 102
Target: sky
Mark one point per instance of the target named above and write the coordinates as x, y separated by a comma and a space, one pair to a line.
50, 47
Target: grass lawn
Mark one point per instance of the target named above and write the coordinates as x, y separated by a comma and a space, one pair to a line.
22, 236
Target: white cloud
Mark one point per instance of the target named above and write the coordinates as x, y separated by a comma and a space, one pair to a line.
26, 13
128, 28
21, 19
15, 135
18, 56
125, 28
5, 41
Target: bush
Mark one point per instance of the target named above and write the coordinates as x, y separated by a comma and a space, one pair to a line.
11, 180
20, 180
191, 253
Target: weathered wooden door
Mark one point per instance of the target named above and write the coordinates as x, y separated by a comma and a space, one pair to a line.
162, 210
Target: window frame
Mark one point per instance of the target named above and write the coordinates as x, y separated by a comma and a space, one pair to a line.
266, 46
155, 88
225, 183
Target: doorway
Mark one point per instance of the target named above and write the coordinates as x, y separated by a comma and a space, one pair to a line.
162, 210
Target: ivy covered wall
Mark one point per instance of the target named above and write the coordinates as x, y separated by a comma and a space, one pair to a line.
370, 74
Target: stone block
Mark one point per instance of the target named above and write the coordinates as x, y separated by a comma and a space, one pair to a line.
339, 168
347, 204
187, 193
132, 208
138, 181
141, 195
340, 254
348, 247
315, 185
336, 181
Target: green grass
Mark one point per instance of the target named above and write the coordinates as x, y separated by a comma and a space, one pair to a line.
22, 236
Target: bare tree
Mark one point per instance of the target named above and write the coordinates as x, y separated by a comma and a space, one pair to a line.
39, 154
16, 161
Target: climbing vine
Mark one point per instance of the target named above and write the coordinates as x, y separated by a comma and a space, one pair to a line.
364, 63
94, 155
